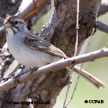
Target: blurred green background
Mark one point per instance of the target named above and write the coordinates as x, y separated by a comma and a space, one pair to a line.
99, 68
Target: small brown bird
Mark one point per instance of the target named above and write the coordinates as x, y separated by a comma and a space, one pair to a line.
27, 48
33, 51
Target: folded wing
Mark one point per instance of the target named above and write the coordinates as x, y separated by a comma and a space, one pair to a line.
38, 43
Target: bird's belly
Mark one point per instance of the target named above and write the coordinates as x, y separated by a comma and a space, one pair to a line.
34, 59
30, 57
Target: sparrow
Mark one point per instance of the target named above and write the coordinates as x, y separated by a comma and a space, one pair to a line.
26, 48
33, 51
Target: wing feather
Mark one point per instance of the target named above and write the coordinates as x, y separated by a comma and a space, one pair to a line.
38, 43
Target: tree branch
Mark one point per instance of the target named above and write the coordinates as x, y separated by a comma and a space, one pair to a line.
103, 8
37, 7
98, 83
13, 81
103, 27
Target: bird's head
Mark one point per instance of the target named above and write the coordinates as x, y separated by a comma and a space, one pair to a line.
14, 24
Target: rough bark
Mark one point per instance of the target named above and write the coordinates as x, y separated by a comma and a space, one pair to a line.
47, 87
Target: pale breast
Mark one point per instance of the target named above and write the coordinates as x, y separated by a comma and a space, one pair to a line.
28, 56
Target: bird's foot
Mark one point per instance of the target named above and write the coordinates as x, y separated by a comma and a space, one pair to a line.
33, 69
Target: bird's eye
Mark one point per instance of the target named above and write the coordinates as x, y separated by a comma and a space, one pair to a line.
16, 22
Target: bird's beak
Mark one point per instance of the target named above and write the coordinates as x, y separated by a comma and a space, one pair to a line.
7, 25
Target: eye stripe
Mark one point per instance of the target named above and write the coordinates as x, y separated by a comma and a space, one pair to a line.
15, 29
13, 22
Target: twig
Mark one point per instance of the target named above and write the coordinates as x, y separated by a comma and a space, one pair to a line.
12, 82
103, 8
76, 84
68, 87
75, 51
101, 26
98, 83
35, 8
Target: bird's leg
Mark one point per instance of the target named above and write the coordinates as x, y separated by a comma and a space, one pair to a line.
13, 72
33, 69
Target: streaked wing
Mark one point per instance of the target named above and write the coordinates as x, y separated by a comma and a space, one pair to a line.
37, 43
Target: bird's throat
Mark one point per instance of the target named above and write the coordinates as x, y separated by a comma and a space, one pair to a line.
9, 32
